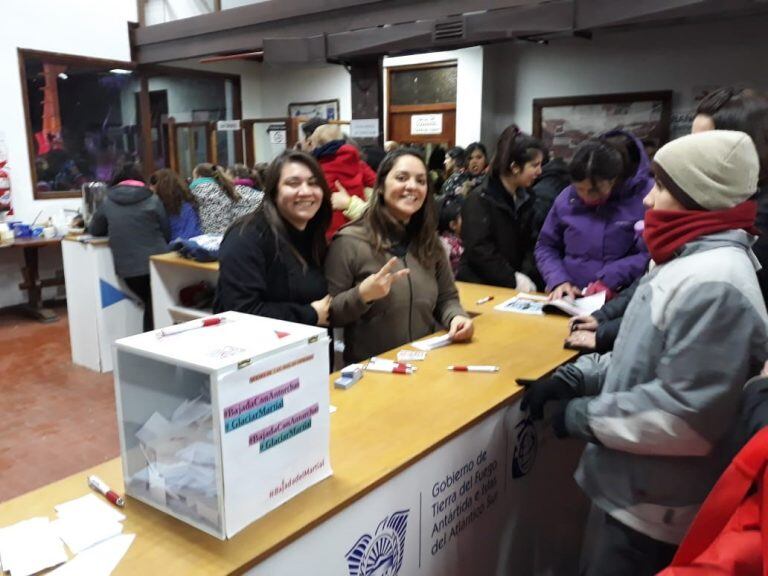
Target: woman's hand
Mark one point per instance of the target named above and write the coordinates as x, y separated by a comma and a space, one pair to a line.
461, 329
588, 323
340, 199
582, 340
378, 285
565, 290
323, 309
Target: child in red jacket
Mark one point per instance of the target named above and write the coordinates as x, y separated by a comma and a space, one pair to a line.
341, 164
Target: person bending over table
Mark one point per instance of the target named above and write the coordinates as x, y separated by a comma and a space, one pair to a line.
137, 225
589, 241
271, 261
387, 272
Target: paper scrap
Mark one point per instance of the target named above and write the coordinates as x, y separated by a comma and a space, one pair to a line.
331, 408
99, 560
434, 342
90, 507
82, 533
30, 546
411, 355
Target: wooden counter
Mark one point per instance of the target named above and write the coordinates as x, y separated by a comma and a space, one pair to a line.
429, 407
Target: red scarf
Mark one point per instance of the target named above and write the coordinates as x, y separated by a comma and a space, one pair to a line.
668, 230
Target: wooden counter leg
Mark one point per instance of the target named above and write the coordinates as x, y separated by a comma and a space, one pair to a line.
33, 287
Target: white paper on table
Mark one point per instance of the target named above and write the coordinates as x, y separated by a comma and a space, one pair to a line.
89, 507
30, 546
523, 304
81, 533
434, 342
99, 560
331, 408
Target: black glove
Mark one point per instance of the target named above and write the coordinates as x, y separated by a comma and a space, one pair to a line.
539, 392
558, 420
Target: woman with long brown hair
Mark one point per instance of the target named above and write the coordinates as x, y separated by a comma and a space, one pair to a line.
387, 271
271, 261
180, 205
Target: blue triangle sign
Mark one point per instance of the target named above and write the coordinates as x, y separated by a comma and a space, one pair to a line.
109, 294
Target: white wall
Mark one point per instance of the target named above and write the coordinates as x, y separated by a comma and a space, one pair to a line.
469, 87
687, 59
81, 27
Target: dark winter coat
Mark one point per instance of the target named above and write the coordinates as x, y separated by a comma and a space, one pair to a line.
259, 273
498, 236
135, 220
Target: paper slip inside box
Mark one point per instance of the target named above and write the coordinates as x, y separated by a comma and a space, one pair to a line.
30, 546
99, 560
434, 342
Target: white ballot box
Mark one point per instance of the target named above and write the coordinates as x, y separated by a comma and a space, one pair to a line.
221, 424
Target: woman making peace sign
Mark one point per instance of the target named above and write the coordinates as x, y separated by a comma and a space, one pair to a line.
387, 272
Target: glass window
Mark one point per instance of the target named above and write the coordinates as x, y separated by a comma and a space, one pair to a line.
82, 128
423, 86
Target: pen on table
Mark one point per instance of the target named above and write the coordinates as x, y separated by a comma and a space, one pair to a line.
484, 300
187, 326
473, 368
98, 484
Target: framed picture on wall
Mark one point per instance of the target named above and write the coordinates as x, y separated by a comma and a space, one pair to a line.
563, 123
326, 109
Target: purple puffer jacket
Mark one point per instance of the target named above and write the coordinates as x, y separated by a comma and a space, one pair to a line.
581, 244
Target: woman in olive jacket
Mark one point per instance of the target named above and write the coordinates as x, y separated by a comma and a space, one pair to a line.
387, 272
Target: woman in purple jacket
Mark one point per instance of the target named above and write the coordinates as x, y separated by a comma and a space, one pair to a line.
589, 242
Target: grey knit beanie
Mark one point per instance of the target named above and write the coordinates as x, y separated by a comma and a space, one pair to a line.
713, 170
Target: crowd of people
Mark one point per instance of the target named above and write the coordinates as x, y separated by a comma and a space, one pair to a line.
359, 241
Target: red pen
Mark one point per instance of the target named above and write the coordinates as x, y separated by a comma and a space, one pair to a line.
193, 325
473, 368
378, 365
97, 484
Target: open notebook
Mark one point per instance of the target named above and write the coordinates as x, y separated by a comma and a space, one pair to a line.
525, 303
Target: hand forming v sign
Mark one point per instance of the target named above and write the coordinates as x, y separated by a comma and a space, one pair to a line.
377, 285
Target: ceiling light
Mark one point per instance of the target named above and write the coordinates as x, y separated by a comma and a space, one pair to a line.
63, 76
121, 71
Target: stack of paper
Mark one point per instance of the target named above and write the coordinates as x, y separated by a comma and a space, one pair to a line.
181, 461
30, 546
99, 560
86, 521
432, 343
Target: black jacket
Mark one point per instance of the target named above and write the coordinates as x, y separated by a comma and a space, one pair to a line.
498, 236
135, 221
553, 180
259, 273
609, 318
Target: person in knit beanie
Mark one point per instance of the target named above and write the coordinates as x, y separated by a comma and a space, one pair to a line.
660, 413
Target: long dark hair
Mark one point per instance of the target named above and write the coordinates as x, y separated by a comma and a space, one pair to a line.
319, 223
596, 159
207, 170
422, 227
171, 190
514, 147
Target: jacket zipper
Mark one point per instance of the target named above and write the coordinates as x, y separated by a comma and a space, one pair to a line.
410, 301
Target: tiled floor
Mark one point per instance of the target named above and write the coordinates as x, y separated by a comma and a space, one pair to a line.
57, 418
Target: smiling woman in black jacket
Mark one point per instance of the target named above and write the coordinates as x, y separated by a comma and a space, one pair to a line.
271, 261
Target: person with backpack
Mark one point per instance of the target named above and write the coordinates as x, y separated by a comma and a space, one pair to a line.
660, 413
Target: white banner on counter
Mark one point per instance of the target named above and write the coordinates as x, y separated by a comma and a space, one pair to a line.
499, 499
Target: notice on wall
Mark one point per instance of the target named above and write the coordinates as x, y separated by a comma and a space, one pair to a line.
277, 135
425, 124
228, 125
364, 128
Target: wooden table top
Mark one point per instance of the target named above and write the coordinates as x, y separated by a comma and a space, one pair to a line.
32, 242
523, 346
174, 259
